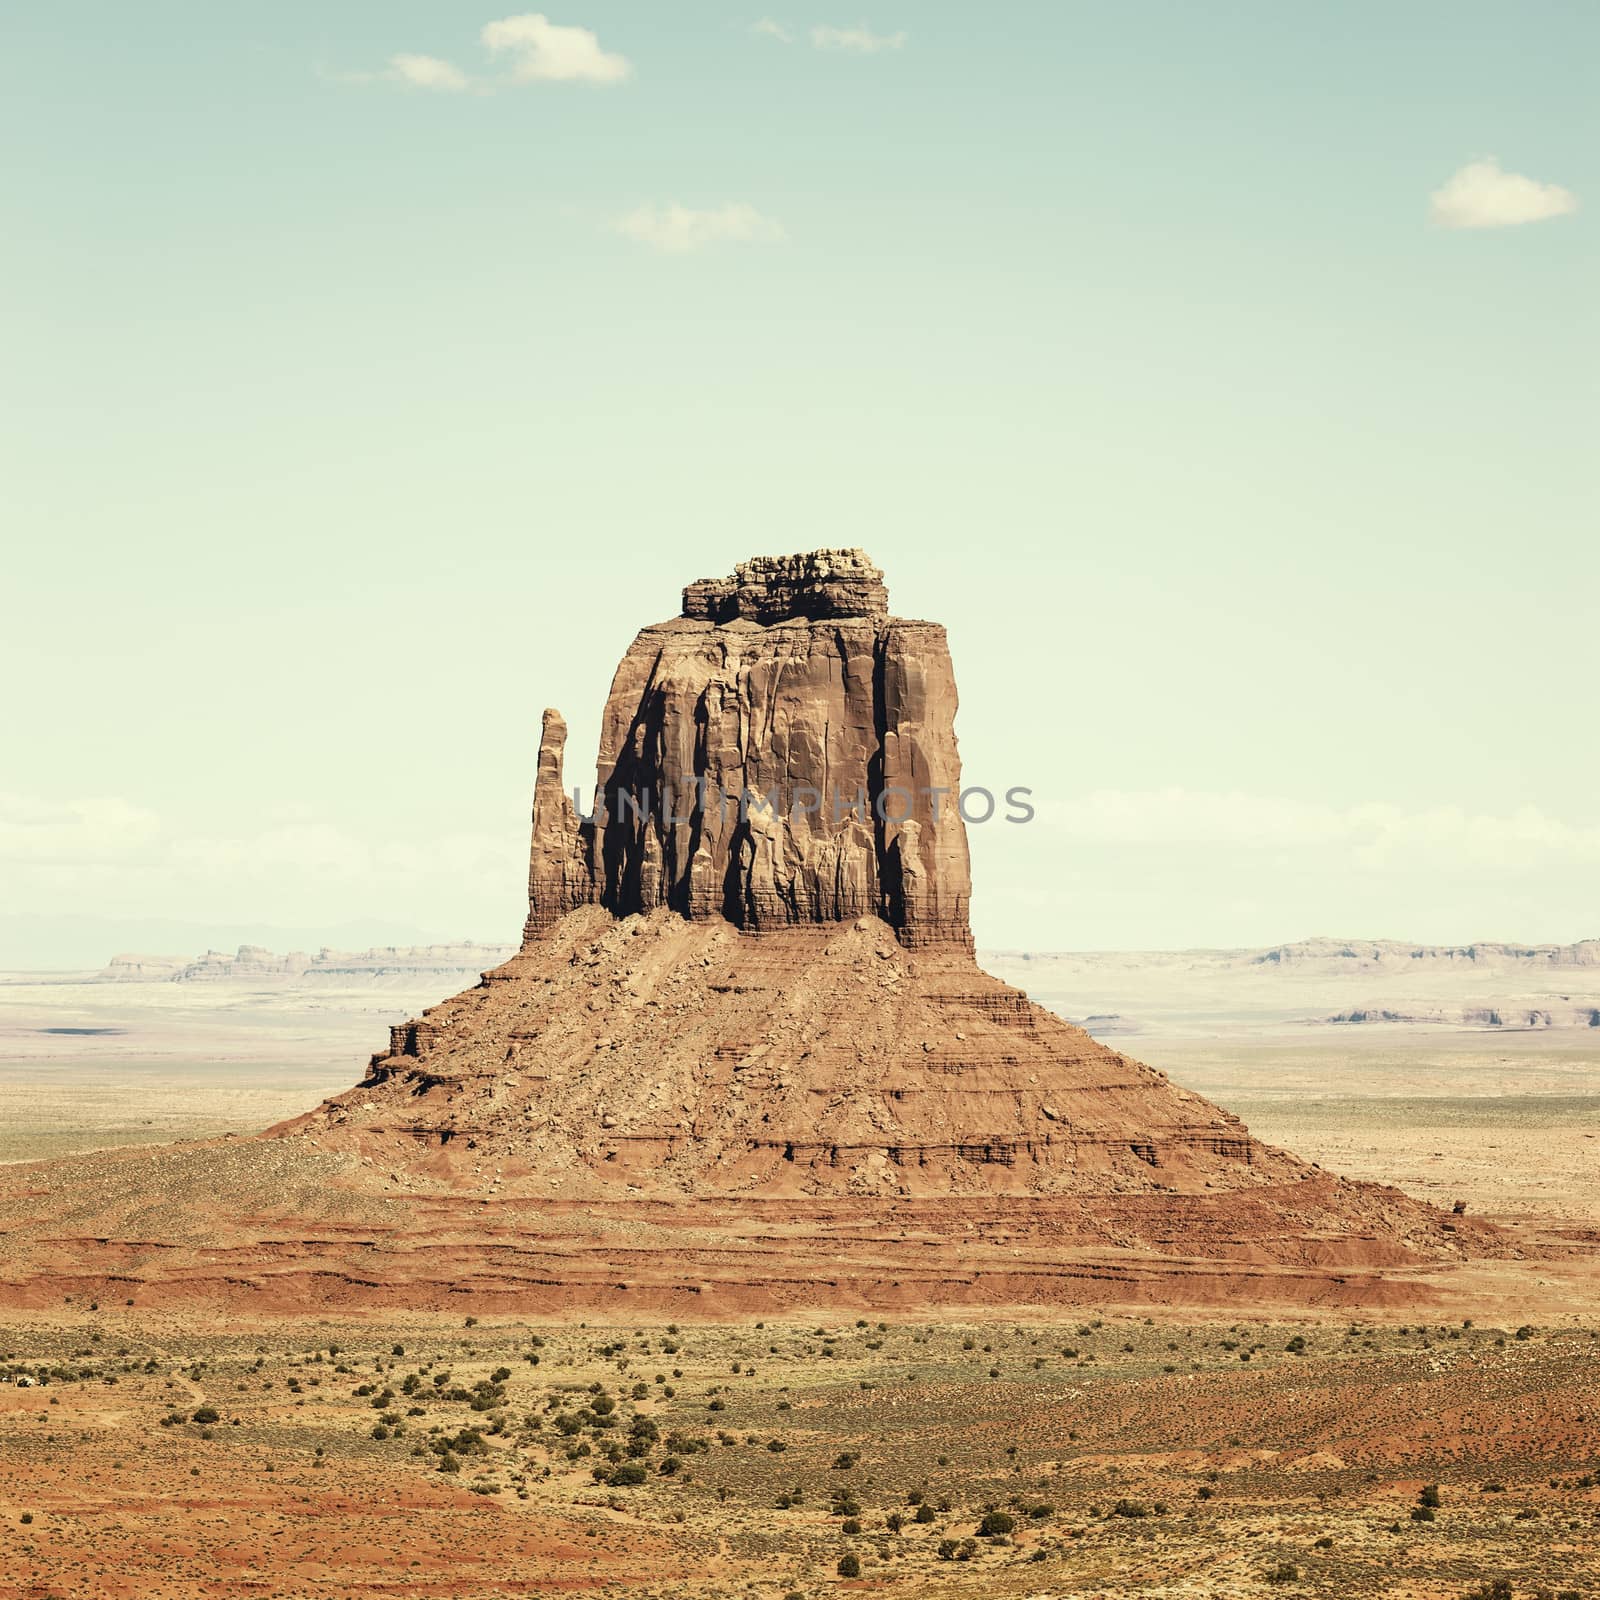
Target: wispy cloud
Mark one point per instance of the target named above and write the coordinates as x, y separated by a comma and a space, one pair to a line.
542, 51
72, 831
110, 855
428, 72
766, 28
858, 40
1372, 833
1482, 195
677, 230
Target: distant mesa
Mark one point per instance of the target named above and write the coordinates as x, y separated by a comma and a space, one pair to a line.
1392, 954
1507, 1019
1490, 986
253, 962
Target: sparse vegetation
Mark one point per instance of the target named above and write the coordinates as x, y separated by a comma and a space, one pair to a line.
908, 1476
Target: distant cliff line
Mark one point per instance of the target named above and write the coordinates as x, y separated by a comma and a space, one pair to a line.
1332, 957
254, 962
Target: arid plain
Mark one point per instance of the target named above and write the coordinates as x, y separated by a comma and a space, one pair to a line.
737, 1232
1131, 1452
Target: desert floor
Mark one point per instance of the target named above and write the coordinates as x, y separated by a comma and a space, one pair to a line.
1154, 1456
1123, 1456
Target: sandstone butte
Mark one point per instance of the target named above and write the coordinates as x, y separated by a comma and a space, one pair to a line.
745, 1059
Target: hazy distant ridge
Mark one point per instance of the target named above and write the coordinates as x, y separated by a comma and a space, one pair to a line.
1488, 985
1390, 953
253, 962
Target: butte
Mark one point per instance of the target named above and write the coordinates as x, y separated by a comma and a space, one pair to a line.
745, 1059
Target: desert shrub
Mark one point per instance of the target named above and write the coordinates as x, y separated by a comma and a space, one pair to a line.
1284, 1572
628, 1475
850, 1525
924, 1513
206, 1414
1423, 1514
849, 1566
1130, 1508
996, 1523
1429, 1495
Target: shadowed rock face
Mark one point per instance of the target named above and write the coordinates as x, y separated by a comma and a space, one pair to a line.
782, 753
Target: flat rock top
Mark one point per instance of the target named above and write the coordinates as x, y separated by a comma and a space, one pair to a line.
812, 585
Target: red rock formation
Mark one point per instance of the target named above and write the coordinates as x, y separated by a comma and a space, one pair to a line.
782, 753
743, 1062
785, 1002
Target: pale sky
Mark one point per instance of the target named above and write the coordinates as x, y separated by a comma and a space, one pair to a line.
1221, 375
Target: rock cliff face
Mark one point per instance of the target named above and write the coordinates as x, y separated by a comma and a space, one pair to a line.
782, 753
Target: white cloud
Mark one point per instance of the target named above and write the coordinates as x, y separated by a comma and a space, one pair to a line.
1481, 195
1373, 833
427, 72
766, 28
858, 40
543, 51
105, 855
72, 831
679, 229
